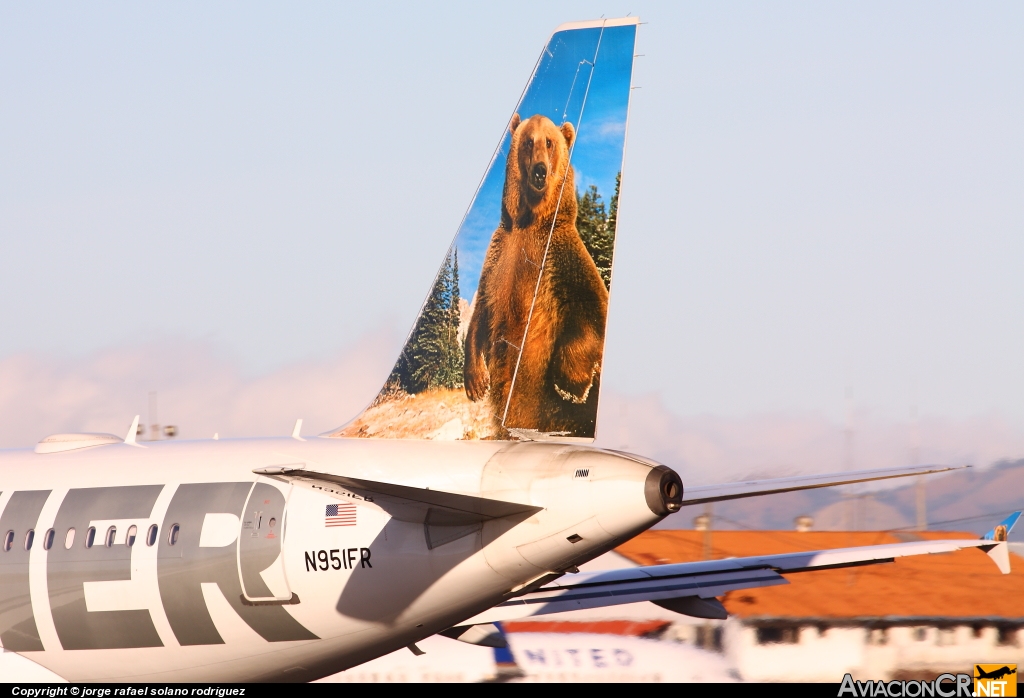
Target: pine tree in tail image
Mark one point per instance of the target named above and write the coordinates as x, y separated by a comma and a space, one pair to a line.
597, 227
433, 357
424, 394
613, 219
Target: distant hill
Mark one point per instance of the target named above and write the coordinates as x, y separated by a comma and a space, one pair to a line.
966, 500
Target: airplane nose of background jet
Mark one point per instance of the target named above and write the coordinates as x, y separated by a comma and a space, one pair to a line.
663, 490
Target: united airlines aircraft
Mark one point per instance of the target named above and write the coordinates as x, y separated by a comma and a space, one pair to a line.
467, 493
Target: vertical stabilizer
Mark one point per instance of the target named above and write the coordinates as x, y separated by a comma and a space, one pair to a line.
510, 340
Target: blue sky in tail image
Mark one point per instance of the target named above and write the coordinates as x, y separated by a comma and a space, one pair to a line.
568, 85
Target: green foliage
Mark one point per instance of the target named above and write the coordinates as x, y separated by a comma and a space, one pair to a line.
613, 207
597, 227
433, 356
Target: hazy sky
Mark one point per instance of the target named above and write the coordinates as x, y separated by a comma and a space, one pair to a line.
815, 195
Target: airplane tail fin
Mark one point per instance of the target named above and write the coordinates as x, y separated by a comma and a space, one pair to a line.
1001, 531
1000, 535
509, 342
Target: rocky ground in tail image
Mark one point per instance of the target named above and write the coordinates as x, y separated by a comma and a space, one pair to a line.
443, 414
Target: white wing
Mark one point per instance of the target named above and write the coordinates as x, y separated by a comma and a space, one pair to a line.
691, 587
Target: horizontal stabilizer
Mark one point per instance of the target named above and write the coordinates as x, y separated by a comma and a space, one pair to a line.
756, 488
412, 504
671, 585
597, 589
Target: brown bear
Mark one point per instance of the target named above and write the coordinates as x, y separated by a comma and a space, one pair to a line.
537, 274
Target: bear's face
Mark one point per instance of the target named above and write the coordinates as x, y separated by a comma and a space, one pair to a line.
541, 159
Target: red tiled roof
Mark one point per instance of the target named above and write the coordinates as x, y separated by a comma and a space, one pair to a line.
604, 627
960, 585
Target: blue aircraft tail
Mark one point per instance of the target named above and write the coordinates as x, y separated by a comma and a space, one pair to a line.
509, 343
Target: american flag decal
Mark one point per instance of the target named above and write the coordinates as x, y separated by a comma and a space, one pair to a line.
340, 515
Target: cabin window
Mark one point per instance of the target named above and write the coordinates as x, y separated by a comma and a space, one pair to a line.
172, 535
48, 540
90, 536
8, 541
946, 637
151, 535
111, 535
1006, 636
782, 634
69, 539
29, 537
129, 539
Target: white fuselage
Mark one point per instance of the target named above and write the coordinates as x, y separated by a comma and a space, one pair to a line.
251, 578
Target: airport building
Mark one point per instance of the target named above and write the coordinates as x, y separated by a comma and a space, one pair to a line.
915, 618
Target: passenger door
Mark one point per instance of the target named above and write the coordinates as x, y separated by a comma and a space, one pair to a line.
261, 544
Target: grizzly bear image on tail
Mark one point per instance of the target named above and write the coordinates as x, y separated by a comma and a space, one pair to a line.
540, 295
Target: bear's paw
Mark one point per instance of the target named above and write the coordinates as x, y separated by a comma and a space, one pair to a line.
578, 394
